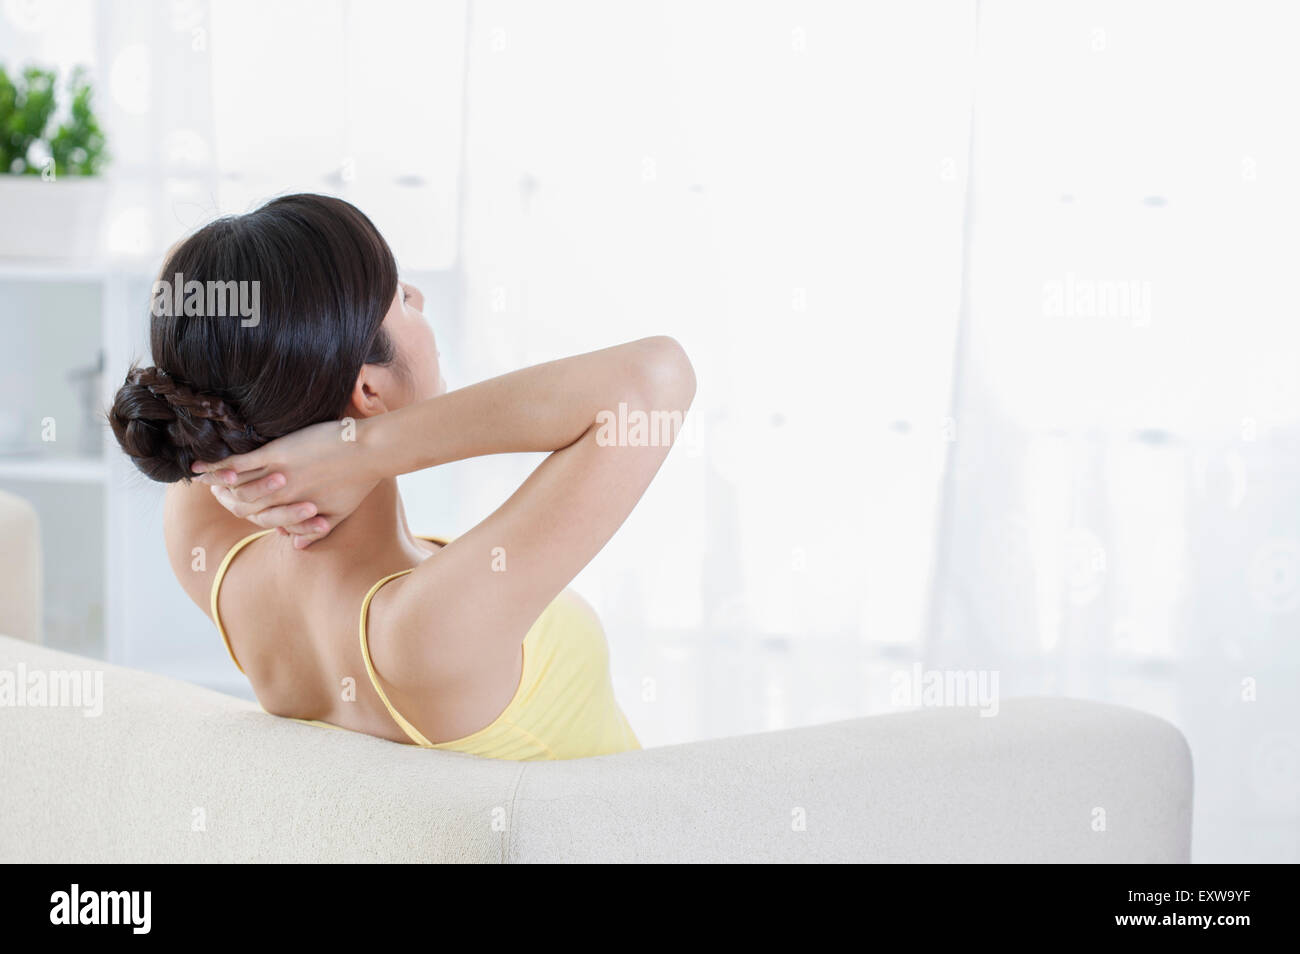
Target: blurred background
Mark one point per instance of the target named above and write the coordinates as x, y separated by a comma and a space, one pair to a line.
991, 305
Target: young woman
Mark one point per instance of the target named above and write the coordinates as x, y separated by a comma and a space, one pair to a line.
300, 421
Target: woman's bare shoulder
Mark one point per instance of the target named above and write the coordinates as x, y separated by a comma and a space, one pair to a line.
198, 532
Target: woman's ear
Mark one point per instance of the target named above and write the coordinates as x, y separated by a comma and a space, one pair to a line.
367, 396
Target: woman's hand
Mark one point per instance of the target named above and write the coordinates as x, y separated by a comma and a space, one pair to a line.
303, 484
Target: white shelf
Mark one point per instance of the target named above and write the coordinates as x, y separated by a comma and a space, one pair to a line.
67, 470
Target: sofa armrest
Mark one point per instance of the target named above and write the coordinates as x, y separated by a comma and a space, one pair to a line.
20, 569
1045, 780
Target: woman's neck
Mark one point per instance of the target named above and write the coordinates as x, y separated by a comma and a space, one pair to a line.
375, 534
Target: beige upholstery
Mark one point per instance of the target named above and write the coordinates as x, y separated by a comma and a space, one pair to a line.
20, 569
173, 772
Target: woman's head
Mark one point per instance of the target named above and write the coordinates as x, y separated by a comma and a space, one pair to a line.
333, 335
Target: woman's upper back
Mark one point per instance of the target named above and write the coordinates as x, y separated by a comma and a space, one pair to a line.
313, 648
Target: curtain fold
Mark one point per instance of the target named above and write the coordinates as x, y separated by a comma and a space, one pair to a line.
1123, 522
781, 188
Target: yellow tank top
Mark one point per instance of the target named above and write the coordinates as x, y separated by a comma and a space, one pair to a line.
564, 707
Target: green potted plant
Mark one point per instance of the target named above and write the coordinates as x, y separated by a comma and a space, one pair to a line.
52, 150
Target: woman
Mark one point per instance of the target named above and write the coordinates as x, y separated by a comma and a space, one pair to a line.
301, 420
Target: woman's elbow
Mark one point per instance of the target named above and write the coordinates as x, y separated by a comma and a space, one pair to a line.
667, 375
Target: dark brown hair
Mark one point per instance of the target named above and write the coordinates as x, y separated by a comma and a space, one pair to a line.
224, 385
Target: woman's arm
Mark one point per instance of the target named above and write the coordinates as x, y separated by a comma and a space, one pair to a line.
479, 595
487, 587
334, 465
540, 408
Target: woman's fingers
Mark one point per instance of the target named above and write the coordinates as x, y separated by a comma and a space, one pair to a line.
284, 515
217, 478
315, 526
287, 516
239, 463
303, 541
255, 490
227, 500
232, 478
246, 476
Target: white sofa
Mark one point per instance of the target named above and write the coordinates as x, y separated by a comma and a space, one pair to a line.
173, 772
166, 758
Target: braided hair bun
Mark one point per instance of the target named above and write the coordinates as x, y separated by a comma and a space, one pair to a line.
164, 425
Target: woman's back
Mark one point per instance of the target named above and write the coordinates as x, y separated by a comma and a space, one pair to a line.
291, 625
305, 633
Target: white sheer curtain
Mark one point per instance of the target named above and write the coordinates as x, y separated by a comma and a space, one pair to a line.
781, 188
1122, 509
357, 99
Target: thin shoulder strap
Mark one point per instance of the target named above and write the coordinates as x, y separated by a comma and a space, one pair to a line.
216, 588
412, 732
